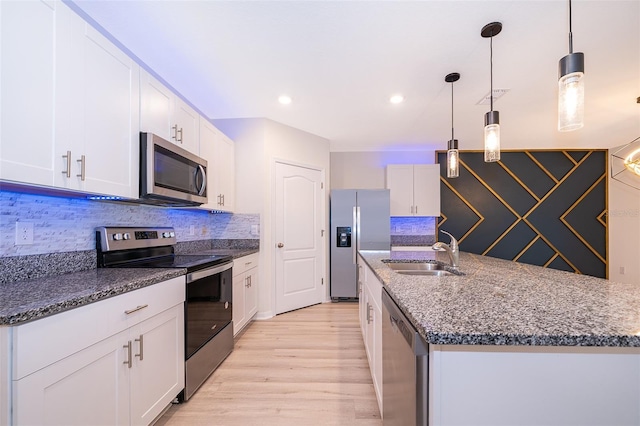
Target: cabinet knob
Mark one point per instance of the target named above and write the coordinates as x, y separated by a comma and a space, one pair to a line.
280, 245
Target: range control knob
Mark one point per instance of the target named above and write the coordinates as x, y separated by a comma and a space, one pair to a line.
126, 236
173, 234
117, 237
166, 234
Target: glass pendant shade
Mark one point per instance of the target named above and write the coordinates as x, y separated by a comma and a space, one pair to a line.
491, 136
571, 93
632, 162
453, 159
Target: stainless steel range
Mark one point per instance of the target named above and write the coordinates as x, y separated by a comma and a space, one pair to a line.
208, 312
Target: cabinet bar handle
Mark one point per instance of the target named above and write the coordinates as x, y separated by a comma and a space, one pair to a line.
68, 171
128, 348
140, 355
130, 311
222, 199
179, 131
369, 313
175, 132
82, 167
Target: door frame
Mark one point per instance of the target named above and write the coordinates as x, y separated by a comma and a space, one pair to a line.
325, 227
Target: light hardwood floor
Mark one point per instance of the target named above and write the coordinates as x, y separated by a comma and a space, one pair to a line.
306, 367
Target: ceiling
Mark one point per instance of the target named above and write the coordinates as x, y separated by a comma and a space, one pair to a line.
340, 61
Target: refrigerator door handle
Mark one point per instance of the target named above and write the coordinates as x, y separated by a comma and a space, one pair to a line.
357, 229
354, 241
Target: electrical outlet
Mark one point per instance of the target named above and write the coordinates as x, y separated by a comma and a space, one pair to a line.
254, 230
24, 233
192, 230
622, 270
414, 229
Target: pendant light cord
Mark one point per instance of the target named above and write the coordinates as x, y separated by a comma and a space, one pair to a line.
570, 32
491, 67
452, 111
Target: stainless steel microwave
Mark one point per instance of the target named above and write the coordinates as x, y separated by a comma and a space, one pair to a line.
170, 175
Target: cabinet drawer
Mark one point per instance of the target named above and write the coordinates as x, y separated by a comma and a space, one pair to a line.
42, 342
244, 263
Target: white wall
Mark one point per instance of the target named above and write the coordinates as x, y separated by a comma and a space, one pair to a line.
259, 143
366, 170
624, 232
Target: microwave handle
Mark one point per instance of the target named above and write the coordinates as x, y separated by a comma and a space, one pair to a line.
204, 180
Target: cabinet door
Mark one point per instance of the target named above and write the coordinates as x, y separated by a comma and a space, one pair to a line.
225, 171
88, 387
426, 189
238, 306
208, 152
27, 31
97, 112
361, 303
376, 350
156, 107
157, 372
188, 122
400, 185
251, 293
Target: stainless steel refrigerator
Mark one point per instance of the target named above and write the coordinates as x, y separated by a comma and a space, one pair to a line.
359, 221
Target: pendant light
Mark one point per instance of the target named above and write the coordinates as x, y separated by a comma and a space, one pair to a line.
571, 88
492, 118
453, 160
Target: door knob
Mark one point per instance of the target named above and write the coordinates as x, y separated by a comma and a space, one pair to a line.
280, 245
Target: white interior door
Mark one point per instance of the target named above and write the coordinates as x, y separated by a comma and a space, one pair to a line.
299, 254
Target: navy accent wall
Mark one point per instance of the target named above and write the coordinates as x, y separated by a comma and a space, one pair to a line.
544, 208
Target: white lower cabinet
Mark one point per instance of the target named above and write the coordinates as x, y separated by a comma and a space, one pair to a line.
107, 366
245, 290
370, 308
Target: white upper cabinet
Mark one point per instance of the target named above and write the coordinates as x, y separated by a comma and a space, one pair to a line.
167, 115
219, 151
97, 107
415, 189
188, 126
69, 103
27, 36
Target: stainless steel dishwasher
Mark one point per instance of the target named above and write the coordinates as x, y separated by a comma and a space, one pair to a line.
405, 368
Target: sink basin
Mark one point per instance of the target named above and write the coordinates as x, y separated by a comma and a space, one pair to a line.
423, 268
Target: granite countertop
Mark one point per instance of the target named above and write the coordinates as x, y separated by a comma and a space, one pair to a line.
499, 302
37, 298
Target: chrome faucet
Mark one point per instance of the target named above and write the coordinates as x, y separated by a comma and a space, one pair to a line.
451, 249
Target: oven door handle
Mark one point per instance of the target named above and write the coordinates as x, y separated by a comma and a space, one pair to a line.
198, 275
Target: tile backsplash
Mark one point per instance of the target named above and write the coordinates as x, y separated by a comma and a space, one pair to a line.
68, 224
413, 231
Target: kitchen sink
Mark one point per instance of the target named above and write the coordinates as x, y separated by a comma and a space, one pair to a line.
419, 268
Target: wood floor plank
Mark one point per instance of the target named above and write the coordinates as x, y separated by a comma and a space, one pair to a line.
306, 367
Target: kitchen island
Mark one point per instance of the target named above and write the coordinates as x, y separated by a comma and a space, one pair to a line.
511, 343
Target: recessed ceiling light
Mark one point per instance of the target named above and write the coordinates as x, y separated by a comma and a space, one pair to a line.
284, 99
396, 99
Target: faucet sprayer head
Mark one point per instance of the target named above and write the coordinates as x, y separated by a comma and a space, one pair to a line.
453, 243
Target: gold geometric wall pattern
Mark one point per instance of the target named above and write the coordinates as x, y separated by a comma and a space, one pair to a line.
542, 207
